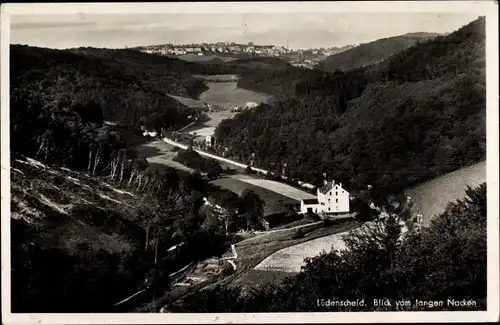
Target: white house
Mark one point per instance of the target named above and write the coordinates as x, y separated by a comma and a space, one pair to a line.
332, 198
209, 140
251, 105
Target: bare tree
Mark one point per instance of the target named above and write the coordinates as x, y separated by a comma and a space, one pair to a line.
97, 158
91, 150
122, 166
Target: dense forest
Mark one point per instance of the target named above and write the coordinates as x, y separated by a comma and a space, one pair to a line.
76, 247
445, 261
414, 116
372, 52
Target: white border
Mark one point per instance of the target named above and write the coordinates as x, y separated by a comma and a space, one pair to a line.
486, 8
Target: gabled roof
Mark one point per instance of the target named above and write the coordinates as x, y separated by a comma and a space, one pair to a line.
329, 185
325, 188
310, 201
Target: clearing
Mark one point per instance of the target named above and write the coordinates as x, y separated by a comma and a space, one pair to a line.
158, 153
189, 102
227, 95
208, 127
277, 187
291, 259
217, 77
274, 202
432, 197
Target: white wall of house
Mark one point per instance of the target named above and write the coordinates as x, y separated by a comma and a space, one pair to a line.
334, 200
316, 208
208, 140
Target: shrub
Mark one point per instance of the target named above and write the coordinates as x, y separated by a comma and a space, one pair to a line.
299, 233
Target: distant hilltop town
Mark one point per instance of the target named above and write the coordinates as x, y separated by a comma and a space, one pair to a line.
227, 48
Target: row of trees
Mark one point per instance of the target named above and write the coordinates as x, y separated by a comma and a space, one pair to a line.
447, 260
194, 160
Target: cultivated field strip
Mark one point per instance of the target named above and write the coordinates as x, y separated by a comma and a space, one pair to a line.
283, 189
291, 259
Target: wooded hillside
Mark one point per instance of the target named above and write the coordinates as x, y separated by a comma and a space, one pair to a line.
416, 115
372, 52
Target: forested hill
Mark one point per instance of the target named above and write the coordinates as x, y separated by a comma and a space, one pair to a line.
120, 91
372, 52
416, 115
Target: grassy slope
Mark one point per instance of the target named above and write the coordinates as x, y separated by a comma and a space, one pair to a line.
47, 198
274, 202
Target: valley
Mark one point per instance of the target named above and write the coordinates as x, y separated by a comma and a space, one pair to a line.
146, 183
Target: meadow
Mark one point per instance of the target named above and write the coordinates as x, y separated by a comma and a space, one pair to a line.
431, 197
291, 259
277, 187
208, 126
227, 95
158, 154
189, 102
218, 77
274, 202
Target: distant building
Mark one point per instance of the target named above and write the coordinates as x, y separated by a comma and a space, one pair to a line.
332, 198
209, 141
152, 134
251, 105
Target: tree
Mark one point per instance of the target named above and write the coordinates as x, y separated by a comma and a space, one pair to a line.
251, 207
214, 172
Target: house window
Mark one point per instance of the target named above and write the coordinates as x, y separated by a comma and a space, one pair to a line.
328, 200
336, 193
336, 200
328, 208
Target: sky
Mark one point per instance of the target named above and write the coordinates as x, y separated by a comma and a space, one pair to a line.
303, 30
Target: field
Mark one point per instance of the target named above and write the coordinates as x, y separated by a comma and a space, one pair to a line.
431, 197
218, 77
208, 127
158, 154
227, 95
274, 202
189, 102
291, 259
277, 187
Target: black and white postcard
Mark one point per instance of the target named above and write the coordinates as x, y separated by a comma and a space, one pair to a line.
253, 162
